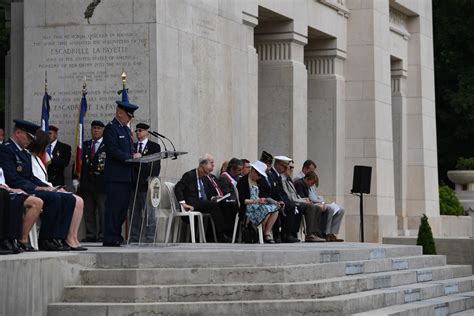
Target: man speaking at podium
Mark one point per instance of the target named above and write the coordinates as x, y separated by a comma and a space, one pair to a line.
142, 215
118, 173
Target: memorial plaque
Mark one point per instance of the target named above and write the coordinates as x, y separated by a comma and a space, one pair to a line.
97, 52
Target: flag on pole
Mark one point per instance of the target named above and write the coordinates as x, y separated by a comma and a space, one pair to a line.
124, 91
45, 157
80, 132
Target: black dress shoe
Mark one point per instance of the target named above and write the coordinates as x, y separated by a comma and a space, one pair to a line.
15, 247
5, 247
291, 239
27, 247
112, 243
50, 245
64, 244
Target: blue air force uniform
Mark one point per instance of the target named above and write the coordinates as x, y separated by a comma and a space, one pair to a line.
58, 207
117, 175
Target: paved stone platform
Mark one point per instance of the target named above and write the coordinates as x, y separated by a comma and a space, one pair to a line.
237, 279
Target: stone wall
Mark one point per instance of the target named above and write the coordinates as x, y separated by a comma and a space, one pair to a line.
340, 82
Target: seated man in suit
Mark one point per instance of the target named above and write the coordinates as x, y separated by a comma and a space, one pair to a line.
60, 154
18, 213
17, 167
332, 213
290, 217
312, 212
228, 183
197, 191
143, 215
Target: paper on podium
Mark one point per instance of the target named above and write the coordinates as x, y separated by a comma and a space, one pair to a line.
157, 156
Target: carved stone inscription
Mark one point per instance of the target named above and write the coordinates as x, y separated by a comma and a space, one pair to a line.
99, 53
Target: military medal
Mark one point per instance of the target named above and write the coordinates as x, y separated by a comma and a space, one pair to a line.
19, 168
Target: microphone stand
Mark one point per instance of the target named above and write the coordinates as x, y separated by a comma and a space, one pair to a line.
174, 149
160, 138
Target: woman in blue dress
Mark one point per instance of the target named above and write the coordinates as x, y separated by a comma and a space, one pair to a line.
258, 209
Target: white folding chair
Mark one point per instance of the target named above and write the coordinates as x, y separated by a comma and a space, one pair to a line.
302, 231
177, 211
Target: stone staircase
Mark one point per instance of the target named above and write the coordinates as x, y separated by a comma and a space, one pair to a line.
298, 279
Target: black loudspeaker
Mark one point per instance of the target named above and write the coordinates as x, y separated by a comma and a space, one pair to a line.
361, 180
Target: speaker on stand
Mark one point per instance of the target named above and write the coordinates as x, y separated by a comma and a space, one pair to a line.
361, 185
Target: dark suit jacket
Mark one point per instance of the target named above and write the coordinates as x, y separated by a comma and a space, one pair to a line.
301, 188
227, 187
119, 148
60, 158
17, 168
150, 148
92, 173
187, 189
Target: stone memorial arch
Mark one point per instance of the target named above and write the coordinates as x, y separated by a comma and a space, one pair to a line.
342, 82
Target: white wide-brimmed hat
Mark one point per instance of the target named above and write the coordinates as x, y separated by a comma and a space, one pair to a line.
260, 167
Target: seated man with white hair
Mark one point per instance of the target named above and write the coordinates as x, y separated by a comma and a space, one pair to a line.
198, 191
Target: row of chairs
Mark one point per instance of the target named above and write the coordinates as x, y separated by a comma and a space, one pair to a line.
177, 211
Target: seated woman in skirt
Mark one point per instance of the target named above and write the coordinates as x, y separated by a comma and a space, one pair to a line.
259, 210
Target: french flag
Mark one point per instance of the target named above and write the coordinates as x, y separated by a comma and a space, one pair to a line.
80, 134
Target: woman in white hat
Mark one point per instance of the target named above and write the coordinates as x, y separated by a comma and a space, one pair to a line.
258, 210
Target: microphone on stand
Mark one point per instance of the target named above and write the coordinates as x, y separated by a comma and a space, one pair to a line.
163, 136
161, 140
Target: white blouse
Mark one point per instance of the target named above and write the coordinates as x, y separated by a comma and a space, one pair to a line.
39, 170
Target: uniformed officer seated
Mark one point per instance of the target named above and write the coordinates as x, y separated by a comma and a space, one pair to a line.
18, 213
57, 208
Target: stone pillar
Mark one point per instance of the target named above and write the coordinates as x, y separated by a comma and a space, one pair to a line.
246, 113
422, 190
399, 120
282, 93
14, 107
326, 118
369, 119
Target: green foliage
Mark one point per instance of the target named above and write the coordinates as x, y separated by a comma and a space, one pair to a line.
448, 202
465, 164
425, 237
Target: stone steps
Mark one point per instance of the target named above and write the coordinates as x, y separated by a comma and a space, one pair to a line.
255, 255
430, 295
219, 275
323, 279
457, 304
260, 291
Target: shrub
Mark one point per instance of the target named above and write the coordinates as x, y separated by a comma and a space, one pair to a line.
425, 237
448, 202
465, 164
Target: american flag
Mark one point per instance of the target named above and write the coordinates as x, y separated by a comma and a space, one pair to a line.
80, 133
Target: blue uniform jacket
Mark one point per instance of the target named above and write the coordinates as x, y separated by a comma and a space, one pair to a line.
17, 168
119, 148
92, 173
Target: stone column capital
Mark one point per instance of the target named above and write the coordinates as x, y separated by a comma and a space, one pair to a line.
324, 62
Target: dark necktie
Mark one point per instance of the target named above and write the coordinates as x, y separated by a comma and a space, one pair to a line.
49, 151
140, 147
93, 149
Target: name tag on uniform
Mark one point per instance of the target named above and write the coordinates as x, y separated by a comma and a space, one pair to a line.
121, 136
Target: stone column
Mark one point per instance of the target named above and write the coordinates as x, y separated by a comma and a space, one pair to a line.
369, 119
14, 107
246, 114
282, 93
399, 120
326, 118
422, 191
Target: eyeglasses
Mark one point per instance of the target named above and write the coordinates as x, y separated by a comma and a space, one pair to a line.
291, 167
139, 130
